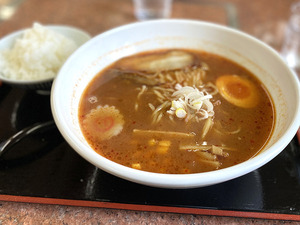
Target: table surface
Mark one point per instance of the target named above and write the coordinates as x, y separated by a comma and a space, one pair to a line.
264, 19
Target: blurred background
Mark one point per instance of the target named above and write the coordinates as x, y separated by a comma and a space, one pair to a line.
264, 19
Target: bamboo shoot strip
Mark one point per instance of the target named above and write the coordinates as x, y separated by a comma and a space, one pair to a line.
215, 164
206, 155
163, 133
195, 147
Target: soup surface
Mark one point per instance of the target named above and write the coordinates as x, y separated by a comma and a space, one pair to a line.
176, 111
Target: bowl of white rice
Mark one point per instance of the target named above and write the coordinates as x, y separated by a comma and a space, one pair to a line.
31, 58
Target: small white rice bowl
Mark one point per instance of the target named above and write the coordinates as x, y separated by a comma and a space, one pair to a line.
36, 54
241, 48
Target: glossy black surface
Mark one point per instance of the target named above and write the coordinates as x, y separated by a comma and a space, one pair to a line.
44, 165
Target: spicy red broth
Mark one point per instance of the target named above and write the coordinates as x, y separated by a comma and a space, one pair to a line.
176, 111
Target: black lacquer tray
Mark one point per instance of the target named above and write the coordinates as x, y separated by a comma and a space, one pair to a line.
43, 168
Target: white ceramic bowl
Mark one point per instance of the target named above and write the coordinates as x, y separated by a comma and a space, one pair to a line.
77, 35
108, 47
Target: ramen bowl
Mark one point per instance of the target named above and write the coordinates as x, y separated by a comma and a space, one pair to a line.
106, 48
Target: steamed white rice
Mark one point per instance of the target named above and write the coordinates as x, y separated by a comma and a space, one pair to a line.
39, 54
